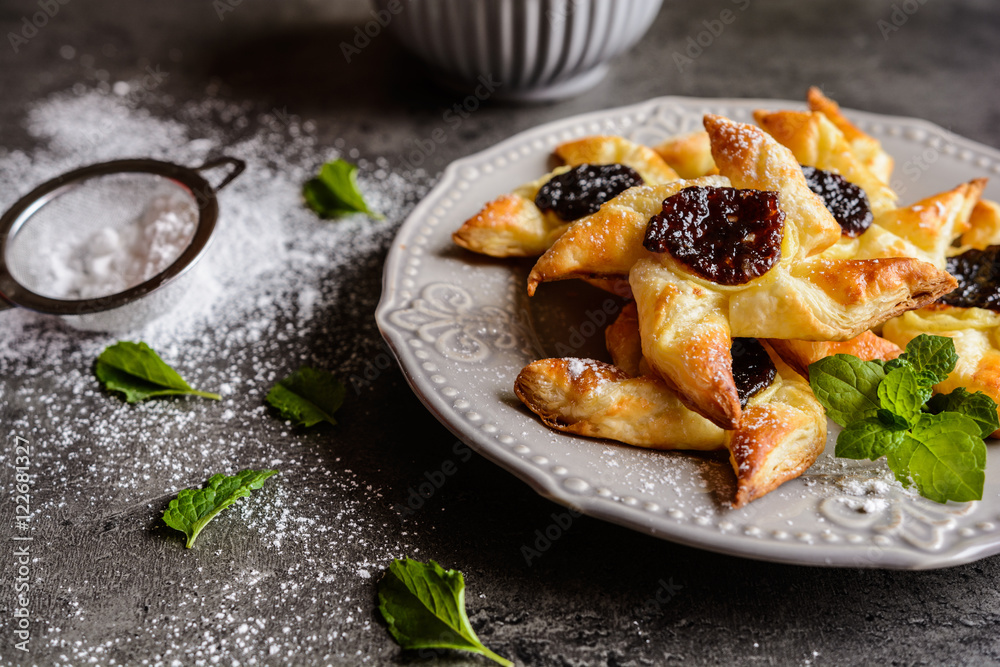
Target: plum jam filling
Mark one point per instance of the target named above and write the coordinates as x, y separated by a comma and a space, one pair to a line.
753, 369
581, 191
978, 276
846, 202
725, 235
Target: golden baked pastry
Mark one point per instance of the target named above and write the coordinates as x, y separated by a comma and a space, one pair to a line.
751, 159
930, 225
865, 148
687, 322
596, 399
604, 149
818, 142
924, 230
607, 243
513, 226
763, 456
782, 433
779, 437
976, 333
984, 226
690, 155
621, 338
675, 383
800, 353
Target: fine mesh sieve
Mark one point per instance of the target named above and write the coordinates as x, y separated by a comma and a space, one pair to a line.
106, 246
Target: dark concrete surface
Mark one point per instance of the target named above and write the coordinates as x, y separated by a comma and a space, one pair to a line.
115, 577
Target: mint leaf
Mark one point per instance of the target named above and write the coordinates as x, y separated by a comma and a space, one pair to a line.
902, 393
867, 439
883, 406
944, 456
893, 364
934, 355
979, 406
891, 420
138, 372
846, 386
424, 605
334, 192
192, 509
308, 396
928, 378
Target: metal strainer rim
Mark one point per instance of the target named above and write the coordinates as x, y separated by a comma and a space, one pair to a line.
189, 177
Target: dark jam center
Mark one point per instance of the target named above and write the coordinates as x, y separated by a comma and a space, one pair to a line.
847, 202
725, 235
978, 276
580, 191
753, 369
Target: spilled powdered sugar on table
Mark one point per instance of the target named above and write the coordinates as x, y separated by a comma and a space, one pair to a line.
277, 291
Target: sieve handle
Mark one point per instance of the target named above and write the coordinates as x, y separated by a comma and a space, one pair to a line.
236, 167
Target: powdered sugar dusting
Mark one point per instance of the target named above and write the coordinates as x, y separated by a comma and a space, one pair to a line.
277, 289
865, 495
576, 367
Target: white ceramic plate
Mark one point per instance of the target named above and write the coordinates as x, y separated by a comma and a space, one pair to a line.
462, 327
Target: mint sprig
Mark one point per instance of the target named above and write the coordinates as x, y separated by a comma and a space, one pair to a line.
903, 393
978, 406
334, 191
308, 396
886, 409
424, 607
193, 509
137, 371
847, 387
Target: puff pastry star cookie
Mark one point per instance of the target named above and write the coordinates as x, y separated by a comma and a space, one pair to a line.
513, 225
687, 318
924, 230
690, 155
866, 148
976, 334
599, 400
984, 226
782, 434
970, 316
817, 142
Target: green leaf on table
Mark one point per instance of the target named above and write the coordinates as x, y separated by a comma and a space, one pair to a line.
308, 396
138, 372
867, 439
944, 456
980, 407
902, 393
424, 606
933, 355
334, 191
192, 509
846, 386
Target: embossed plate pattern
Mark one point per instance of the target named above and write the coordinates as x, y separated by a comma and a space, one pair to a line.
462, 327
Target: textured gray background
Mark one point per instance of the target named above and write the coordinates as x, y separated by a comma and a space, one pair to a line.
583, 601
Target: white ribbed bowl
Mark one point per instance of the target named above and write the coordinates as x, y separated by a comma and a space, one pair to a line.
537, 49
